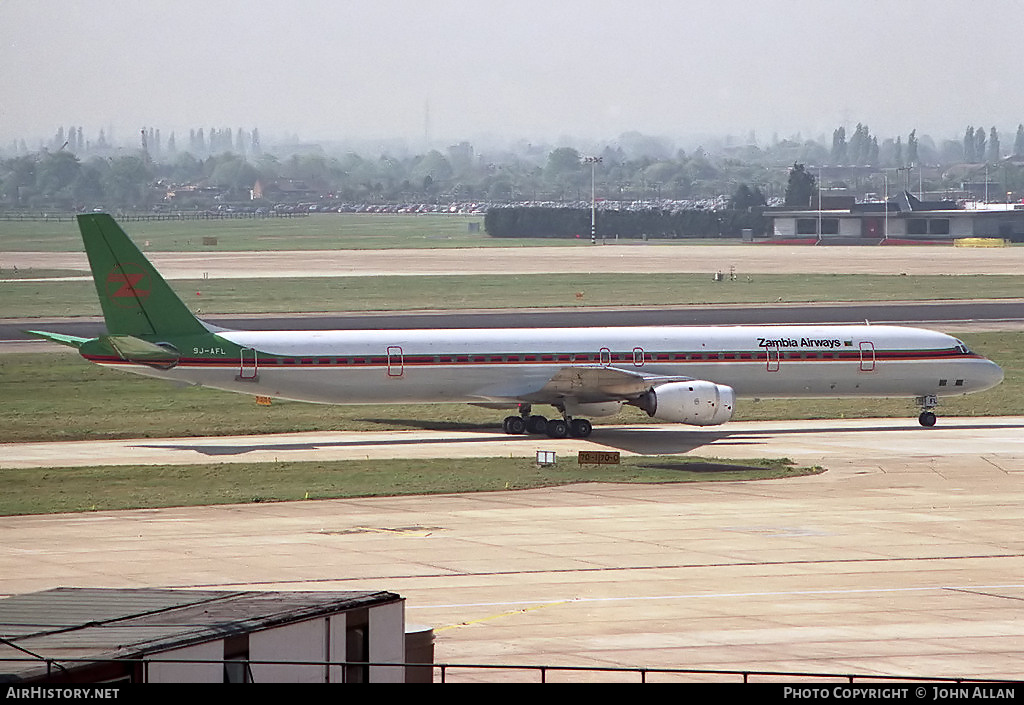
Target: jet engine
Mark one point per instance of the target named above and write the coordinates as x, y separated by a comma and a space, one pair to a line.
697, 403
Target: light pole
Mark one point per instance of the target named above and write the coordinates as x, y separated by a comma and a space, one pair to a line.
593, 161
907, 170
885, 233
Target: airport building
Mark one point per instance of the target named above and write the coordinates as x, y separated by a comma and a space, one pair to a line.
904, 218
149, 635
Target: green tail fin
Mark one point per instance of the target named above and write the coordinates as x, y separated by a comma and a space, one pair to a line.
135, 298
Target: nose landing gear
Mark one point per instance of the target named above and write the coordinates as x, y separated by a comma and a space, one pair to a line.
927, 404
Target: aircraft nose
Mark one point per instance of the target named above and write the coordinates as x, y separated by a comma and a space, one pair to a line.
988, 375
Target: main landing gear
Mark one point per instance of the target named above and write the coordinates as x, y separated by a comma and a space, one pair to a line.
555, 428
927, 404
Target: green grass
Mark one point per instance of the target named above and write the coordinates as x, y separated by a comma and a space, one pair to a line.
20, 299
37, 491
329, 231
319, 231
12, 272
59, 396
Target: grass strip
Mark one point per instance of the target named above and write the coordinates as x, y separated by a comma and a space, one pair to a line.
329, 231
19, 299
55, 490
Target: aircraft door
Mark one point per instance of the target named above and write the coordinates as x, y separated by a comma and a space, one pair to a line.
867, 356
248, 366
638, 357
773, 359
605, 357
396, 361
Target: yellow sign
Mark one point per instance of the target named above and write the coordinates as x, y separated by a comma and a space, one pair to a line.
981, 242
263, 401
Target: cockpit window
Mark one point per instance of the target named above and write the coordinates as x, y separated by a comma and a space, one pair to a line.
962, 348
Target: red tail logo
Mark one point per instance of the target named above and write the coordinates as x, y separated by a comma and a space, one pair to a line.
123, 283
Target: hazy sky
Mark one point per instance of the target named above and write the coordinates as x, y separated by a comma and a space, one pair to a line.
529, 69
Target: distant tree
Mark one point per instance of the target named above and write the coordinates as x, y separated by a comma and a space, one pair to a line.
126, 182
979, 144
233, 172
839, 146
55, 172
747, 198
970, 154
17, 175
800, 187
912, 148
993, 145
858, 147
564, 160
88, 186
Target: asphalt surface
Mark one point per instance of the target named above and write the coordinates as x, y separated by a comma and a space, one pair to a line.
903, 559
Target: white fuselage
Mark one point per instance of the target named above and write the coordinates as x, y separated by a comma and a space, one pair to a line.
512, 365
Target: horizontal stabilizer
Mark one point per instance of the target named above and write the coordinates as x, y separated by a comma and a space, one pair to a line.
70, 340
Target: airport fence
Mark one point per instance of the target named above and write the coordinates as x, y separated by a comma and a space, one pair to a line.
138, 670
149, 217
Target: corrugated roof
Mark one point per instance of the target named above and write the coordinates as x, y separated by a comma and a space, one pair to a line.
101, 624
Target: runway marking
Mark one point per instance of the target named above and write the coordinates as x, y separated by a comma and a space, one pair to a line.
788, 593
678, 566
400, 530
499, 615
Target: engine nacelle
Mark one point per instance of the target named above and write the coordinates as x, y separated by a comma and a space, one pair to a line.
697, 403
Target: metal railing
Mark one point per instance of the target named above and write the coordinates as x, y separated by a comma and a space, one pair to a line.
65, 670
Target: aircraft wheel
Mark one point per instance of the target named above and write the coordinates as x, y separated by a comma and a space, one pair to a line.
557, 428
536, 424
513, 425
927, 418
580, 428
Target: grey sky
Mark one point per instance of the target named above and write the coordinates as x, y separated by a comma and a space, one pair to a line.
517, 68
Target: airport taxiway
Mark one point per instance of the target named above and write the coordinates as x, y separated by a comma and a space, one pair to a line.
905, 558
805, 442
634, 257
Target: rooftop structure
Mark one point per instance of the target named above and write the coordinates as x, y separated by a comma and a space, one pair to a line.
89, 635
901, 218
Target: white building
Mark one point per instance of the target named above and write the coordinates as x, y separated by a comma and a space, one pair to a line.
902, 218
88, 635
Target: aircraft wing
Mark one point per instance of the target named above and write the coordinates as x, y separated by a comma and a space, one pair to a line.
588, 384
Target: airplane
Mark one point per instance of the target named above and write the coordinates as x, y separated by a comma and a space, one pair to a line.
683, 374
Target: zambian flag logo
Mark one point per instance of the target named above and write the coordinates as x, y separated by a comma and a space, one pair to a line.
126, 284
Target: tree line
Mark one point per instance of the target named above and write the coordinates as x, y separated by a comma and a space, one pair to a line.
863, 149
65, 174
